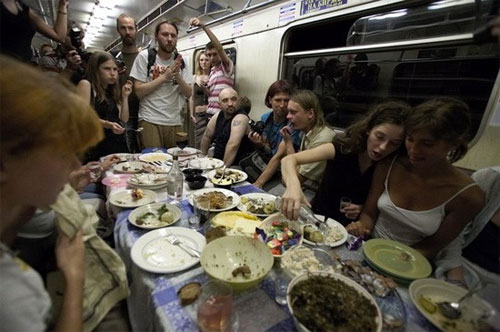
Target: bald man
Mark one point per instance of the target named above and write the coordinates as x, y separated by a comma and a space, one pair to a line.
228, 130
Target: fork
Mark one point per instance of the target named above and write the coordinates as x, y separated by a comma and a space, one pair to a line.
176, 242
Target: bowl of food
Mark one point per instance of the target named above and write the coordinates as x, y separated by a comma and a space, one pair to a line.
322, 301
239, 261
196, 181
192, 171
279, 233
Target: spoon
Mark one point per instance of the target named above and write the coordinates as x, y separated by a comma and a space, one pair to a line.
138, 130
452, 309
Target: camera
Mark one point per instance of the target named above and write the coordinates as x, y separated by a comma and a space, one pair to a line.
258, 126
75, 36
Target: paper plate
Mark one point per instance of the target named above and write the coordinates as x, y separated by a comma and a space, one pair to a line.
153, 253
124, 198
436, 291
148, 181
153, 221
116, 180
396, 259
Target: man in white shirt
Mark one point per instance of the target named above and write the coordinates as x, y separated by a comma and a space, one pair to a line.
162, 87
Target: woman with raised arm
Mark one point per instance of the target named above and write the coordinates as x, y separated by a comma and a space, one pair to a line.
42, 134
18, 24
421, 199
198, 102
102, 90
350, 163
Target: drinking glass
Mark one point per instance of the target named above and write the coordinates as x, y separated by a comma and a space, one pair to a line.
215, 307
344, 202
181, 139
201, 209
95, 170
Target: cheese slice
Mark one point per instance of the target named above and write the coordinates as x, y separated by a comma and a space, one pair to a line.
237, 222
245, 227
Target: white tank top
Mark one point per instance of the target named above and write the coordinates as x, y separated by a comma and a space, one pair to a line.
406, 226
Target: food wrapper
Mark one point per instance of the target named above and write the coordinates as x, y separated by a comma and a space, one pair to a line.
275, 243
260, 234
353, 242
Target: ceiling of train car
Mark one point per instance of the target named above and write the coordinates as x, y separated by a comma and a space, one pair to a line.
80, 12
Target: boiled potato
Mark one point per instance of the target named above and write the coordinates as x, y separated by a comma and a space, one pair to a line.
167, 217
269, 207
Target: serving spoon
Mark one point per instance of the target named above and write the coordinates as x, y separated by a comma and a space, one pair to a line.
452, 309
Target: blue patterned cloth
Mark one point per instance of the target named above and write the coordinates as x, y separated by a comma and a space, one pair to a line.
154, 306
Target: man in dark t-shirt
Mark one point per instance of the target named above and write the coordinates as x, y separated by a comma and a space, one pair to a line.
228, 130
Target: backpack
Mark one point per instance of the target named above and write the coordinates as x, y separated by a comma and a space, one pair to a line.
152, 58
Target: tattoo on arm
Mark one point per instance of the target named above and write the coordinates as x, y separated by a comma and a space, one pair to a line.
236, 123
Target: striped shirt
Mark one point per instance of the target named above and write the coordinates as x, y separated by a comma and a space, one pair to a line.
218, 80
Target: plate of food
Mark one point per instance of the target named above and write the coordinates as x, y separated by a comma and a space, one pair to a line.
132, 198
218, 199
116, 180
236, 222
148, 181
156, 215
334, 234
301, 259
321, 301
181, 153
427, 293
129, 167
205, 163
152, 252
156, 157
231, 176
259, 204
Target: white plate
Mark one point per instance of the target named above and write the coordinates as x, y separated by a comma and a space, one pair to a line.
261, 197
438, 291
153, 253
236, 198
243, 177
148, 181
206, 164
332, 223
153, 208
130, 167
186, 152
124, 198
123, 156
155, 156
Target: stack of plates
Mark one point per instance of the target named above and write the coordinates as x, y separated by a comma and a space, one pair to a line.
396, 260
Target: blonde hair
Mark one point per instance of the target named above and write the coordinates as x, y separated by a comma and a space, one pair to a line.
38, 111
308, 100
198, 70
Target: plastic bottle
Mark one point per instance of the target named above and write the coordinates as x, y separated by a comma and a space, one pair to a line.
175, 180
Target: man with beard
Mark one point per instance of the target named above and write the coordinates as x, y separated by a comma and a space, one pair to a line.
228, 129
127, 28
162, 88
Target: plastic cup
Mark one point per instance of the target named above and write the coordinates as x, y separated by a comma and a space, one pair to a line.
344, 202
95, 170
215, 307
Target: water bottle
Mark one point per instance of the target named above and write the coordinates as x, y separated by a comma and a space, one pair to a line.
175, 180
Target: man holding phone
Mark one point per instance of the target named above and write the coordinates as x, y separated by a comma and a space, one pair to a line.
162, 87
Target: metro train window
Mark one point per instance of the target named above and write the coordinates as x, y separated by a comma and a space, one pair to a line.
349, 81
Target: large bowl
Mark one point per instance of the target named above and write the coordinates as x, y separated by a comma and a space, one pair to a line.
196, 182
294, 225
221, 256
348, 282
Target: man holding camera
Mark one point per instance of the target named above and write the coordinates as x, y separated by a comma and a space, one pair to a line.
228, 130
162, 86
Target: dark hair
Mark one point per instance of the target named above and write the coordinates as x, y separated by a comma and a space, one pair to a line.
356, 135
445, 118
245, 105
95, 61
280, 86
158, 26
209, 45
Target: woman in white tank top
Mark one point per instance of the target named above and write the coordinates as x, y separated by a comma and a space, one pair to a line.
422, 199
